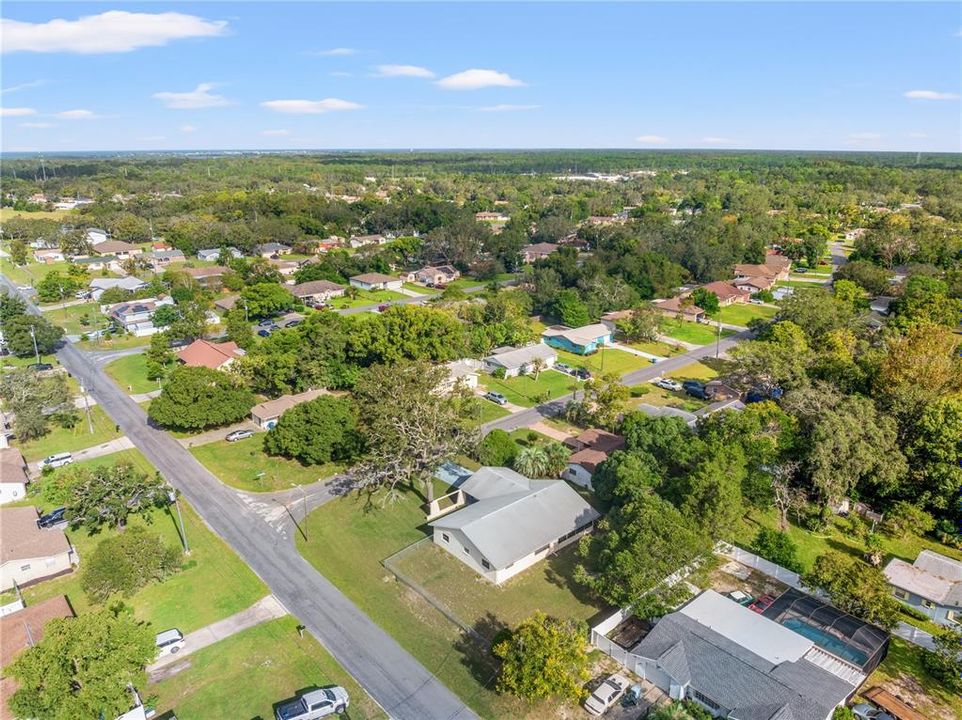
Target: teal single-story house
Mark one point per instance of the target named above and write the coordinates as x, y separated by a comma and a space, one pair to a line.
581, 341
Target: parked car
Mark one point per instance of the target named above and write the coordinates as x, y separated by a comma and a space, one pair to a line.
801, 270
292, 323
581, 373
58, 460
668, 384
236, 435
495, 397
382, 307
314, 704
864, 711
606, 695
264, 332
83, 295
762, 604
563, 367
169, 642
695, 389
52, 519
266, 322
40, 367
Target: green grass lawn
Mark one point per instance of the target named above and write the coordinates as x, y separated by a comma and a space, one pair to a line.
213, 583
78, 437
347, 539
694, 371
238, 465
903, 674
605, 361
487, 411
691, 332
419, 289
243, 676
464, 283
797, 284
114, 342
651, 395
8, 213
365, 297
32, 272
658, 348
72, 318
130, 373
525, 391
743, 313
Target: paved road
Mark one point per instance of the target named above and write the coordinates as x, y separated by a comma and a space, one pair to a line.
528, 417
395, 679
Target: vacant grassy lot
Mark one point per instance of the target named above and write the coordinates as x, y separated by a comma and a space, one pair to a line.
78, 437
605, 361
690, 332
365, 297
658, 348
694, 371
245, 675
30, 273
9, 213
73, 317
245, 466
419, 289
488, 411
114, 342
130, 373
213, 584
798, 284
652, 395
348, 537
527, 391
742, 314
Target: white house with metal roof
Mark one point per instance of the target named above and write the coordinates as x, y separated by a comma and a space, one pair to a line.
515, 361
932, 585
506, 522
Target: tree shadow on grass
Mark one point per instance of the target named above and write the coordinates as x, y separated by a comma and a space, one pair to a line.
474, 648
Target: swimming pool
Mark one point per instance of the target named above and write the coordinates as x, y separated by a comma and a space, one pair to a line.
827, 641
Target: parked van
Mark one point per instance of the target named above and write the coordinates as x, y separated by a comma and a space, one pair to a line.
169, 642
58, 460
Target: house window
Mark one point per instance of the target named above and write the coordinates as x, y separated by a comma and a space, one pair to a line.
928, 604
445, 537
485, 564
466, 551
900, 594
952, 616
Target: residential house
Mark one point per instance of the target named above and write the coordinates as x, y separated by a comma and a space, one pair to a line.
492, 217
272, 249
13, 475
27, 553
129, 284
317, 291
584, 340
504, 522
266, 414
356, 241
591, 448
117, 248
210, 277
216, 356
754, 284
21, 630
286, 268
932, 585
517, 361
97, 263
727, 293
226, 303
48, 255
434, 275
780, 263
680, 307
537, 251
604, 220
160, 260
737, 663
213, 254
758, 274
135, 316
854, 234
463, 373
95, 235
376, 281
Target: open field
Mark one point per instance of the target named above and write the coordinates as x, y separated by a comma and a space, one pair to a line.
61, 439
8, 213
605, 361
130, 373
690, 332
419, 289
365, 297
652, 395
743, 313
114, 342
243, 676
346, 540
527, 391
76, 319
245, 466
31, 272
658, 348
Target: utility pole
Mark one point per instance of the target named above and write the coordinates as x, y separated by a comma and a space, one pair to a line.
718, 339
173, 494
90, 422
33, 335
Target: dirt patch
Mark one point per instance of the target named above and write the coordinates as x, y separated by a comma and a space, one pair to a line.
167, 671
735, 576
910, 691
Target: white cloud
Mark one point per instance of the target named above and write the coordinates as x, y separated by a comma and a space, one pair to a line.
110, 32
403, 71
334, 52
199, 97
507, 108
716, 141
188, 128
310, 107
476, 79
866, 136
930, 95
917, 135
651, 139
23, 86
275, 133
16, 111
76, 115
36, 125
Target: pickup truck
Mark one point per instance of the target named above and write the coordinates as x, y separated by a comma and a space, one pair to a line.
314, 704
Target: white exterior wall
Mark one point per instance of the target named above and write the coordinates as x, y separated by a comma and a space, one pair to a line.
22, 572
12, 491
578, 475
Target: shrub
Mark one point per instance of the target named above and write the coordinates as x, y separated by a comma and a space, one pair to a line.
498, 373
912, 612
497, 449
127, 562
777, 547
640, 390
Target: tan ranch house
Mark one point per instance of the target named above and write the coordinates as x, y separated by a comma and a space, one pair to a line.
29, 554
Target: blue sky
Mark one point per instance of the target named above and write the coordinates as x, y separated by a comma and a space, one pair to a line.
860, 76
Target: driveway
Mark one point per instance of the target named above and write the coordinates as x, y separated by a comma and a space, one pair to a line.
392, 676
107, 448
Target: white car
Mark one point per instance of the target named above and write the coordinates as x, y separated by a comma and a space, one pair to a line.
169, 642
668, 384
864, 711
606, 695
58, 460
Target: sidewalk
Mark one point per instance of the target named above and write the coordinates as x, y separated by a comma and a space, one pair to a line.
267, 608
552, 432
634, 351
108, 448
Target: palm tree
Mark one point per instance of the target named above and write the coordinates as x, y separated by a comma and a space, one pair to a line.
537, 365
556, 459
531, 461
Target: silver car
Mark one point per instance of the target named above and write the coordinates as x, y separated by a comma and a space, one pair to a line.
668, 384
314, 704
606, 695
